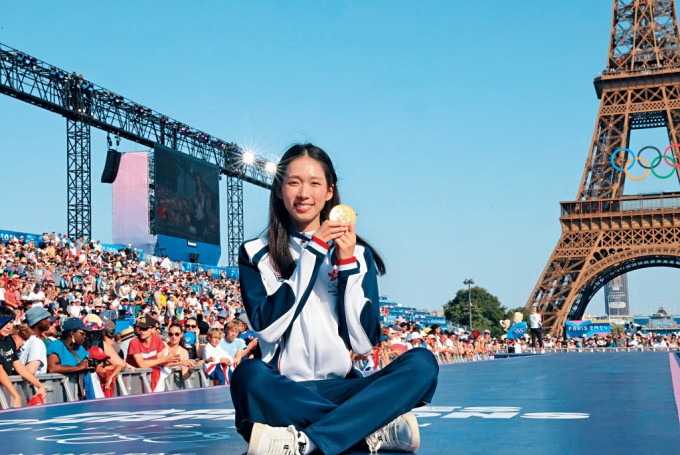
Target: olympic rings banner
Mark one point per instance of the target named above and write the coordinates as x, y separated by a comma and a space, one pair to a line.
517, 331
644, 164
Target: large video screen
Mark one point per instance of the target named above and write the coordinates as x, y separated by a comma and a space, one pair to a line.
187, 197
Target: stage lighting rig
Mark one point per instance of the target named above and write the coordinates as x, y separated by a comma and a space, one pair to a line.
86, 105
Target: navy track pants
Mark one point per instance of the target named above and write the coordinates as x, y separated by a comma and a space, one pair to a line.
336, 414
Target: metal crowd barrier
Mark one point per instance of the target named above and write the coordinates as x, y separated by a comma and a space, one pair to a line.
441, 359
61, 388
605, 349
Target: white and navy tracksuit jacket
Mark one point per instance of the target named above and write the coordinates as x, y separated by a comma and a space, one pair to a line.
308, 323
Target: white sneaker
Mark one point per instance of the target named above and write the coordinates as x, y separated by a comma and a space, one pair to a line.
542, 351
266, 440
400, 435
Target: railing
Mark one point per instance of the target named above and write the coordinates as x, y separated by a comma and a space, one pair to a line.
441, 359
619, 205
66, 388
605, 349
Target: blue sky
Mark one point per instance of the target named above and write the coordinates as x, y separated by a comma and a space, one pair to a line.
455, 129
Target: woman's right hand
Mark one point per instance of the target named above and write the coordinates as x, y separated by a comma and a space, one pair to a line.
331, 230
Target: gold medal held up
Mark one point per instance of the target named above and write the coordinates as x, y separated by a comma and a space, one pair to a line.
343, 213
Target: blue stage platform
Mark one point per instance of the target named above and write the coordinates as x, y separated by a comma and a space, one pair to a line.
581, 403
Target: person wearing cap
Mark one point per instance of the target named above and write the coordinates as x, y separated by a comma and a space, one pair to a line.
34, 351
106, 373
67, 355
416, 340
222, 317
247, 333
147, 350
9, 359
383, 354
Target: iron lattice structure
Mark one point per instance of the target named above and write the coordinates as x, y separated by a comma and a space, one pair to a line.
235, 216
606, 234
87, 105
79, 178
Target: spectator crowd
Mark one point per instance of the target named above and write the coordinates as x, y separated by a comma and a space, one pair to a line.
60, 298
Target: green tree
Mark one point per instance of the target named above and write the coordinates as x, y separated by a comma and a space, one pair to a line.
487, 310
616, 329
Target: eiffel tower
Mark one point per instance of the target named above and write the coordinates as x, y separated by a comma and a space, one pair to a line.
604, 233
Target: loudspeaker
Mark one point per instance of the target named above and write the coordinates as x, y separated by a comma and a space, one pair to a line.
111, 166
193, 258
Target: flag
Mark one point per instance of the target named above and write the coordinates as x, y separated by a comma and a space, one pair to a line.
517, 331
219, 372
158, 377
93, 387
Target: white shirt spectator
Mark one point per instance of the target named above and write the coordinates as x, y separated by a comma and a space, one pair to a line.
535, 321
40, 295
34, 349
216, 352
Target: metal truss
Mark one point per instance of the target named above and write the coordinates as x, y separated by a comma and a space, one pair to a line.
644, 35
79, 179
606, 234
234, 218
31, 80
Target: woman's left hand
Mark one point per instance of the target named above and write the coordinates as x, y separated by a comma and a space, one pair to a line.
344, 245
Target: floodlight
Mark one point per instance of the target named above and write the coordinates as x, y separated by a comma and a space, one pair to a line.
249, 158
270, 167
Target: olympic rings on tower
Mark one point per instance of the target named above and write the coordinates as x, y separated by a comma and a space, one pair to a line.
630, 162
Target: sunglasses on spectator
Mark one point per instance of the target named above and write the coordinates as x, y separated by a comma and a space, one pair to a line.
175, 334
191, 326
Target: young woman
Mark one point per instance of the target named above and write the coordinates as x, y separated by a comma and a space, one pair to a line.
536, 326
309, 288
176, 346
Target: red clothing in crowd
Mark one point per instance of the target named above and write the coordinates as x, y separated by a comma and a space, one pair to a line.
151, 352
11, 299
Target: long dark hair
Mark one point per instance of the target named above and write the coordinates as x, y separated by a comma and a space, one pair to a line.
279, 220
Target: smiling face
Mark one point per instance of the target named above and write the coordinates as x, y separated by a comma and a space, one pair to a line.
304, 193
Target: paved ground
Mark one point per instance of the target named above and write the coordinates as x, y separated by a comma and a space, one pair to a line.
555, 403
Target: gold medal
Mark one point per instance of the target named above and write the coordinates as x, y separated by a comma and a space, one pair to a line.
343, 213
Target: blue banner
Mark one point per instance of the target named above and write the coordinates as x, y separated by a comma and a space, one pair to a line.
517, 331
215, 271
6, 235
113, 248
577, 329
